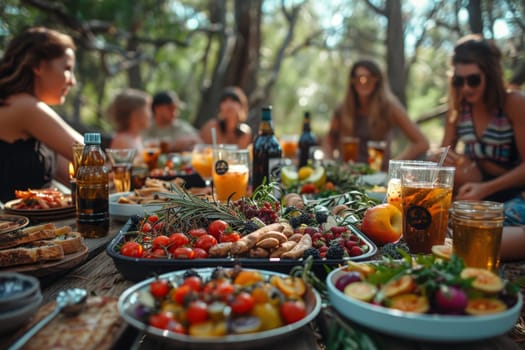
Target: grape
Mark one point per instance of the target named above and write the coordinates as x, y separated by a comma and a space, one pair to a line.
346, 279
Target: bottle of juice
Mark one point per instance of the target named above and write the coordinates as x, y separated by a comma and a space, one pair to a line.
92, 190
267, 152
306, 141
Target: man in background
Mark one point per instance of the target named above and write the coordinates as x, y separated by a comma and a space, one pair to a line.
175, 134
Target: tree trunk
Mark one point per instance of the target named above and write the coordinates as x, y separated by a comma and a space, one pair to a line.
395, 49
475, 17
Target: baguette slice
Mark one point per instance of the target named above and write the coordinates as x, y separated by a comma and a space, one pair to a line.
71, 242
26, 235
31, 253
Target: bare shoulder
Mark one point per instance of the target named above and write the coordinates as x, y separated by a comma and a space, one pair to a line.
515, 104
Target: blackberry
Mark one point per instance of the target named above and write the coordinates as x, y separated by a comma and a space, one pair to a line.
295, 221
313, 252
249, 226
335, 251
321, 217
392, 250
305, 218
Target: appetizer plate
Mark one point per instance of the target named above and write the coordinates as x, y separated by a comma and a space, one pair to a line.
137, 269
123, 211
41, 214
9, 223
433, 327
130, 300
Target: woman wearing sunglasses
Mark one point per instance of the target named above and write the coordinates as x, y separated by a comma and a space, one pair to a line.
370, 111
485, 118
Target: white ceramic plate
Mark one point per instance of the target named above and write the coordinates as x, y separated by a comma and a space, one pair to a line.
122, 211
129, 301
431, 327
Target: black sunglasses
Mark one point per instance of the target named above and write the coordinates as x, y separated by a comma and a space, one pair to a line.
473, 80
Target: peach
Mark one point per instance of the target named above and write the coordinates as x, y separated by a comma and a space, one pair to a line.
383, 223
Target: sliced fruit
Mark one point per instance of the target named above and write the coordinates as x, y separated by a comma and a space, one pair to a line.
318, 177
484, 306
346, 279
485, 280
363, 291
364, 269
208, 329
410, 303
305, 172
403, 285
289, 176
443, 251
289, 286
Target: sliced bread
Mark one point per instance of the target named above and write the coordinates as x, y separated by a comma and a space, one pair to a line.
71, 242
28, 234
30, 253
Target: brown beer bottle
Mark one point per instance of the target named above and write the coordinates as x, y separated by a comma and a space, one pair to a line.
307, 140
92, 190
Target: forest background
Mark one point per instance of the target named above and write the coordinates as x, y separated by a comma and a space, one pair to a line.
292, 54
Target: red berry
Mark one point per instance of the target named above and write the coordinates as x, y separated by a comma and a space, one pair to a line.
355, 251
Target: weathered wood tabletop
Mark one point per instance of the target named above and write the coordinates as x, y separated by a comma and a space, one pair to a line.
99, 276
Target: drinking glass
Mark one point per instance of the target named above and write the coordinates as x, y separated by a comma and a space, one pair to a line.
393, 191
426, 195
289, 146
121, 161
349, 149
477, 227
376, 154
78, 148
202, 161
150, 153
231, 172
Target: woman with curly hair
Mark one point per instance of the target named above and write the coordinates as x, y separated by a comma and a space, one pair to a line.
36, 72
370, 111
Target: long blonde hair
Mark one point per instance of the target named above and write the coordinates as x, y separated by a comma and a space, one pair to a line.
381, 101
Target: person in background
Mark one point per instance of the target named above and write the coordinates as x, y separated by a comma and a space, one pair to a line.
36, 72
168, 127
130, 112
230, 124
370, 111
485, 118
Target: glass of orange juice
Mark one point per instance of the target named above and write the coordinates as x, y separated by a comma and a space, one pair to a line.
289, 145
376, 154
151, 153
202, 161
231, 172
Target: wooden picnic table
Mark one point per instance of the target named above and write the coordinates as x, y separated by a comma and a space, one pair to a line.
99, 276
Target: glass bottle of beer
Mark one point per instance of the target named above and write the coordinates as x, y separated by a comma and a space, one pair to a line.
92, 190
266, 152
306, 141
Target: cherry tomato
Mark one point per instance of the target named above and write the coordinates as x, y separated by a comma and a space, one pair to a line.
200, 253
176, 327
158, 253
161, 320
243, 303
205, 242
178, 239
146, 227
230, 236
308, 188
194, 282
183, 253
158, 227
159, 288
224, 290
197, 232
197, 312
217, 227
132, 249
293, 311
160, 242
180, 294
153, 218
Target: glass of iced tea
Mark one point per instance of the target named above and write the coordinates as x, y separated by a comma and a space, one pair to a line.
376, 154
231, 172
289, 145
349, 148
393, 191
426, 196
150, 153
121, 161
476, 230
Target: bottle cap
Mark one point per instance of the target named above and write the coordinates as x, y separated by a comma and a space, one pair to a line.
266, 113
92, 138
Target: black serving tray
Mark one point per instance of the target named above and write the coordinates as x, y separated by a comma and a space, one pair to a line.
138, 269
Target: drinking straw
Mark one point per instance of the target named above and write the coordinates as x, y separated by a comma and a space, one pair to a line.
444, 152
214, 137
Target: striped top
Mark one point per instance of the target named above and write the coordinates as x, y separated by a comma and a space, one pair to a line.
497, 143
